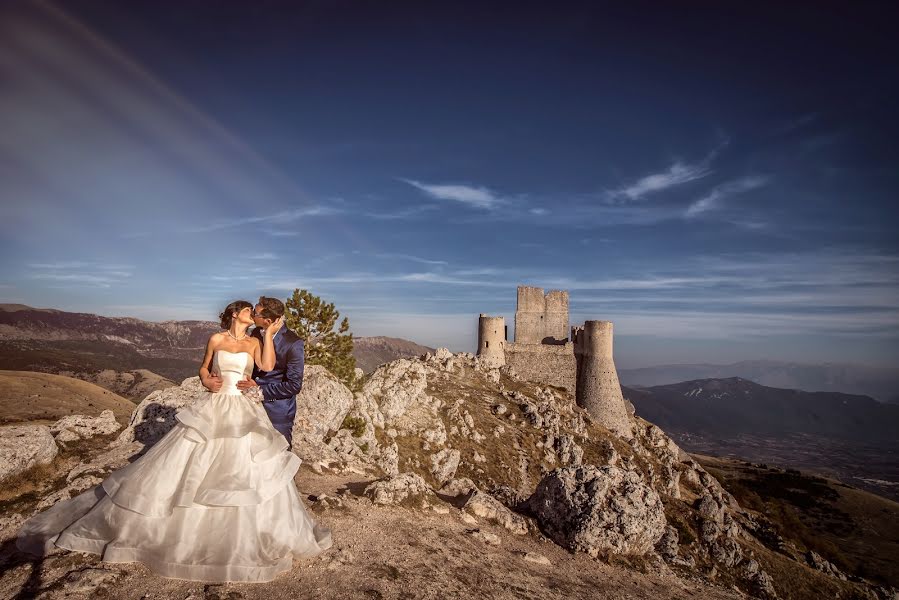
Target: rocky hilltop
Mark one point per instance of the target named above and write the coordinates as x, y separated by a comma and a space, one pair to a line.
442, 477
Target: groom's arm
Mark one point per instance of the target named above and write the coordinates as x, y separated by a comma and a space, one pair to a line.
296, 359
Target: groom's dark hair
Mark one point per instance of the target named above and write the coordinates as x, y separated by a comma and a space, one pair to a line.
272, 308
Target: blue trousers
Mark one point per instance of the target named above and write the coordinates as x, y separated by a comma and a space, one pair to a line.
282, 413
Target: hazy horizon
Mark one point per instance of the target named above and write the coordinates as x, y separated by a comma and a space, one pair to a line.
718, 181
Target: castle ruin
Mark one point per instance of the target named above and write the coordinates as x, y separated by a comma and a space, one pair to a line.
547, 351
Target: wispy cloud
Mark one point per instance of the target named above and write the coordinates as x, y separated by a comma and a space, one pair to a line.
409, 257
678, 173
399, 214
478, 197
81, 273
284, 216
713, 199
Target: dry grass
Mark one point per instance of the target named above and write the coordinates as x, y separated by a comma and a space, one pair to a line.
28, 396
856, 530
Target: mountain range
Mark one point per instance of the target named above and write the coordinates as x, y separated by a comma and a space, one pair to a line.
129, 356
880, 383
852, 437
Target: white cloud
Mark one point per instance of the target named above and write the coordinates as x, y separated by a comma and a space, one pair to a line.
712, 200
409, 257
284, 216
678, 173
478, 197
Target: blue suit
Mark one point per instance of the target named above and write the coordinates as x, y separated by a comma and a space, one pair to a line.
281, 385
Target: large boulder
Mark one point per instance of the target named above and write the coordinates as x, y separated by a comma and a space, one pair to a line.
321, 405
23, 447
77, 427
155, 415
599, 510
396, 388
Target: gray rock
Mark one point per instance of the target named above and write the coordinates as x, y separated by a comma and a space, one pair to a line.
444, 464
399, 489
487, 507
599, 510
155, 415
395, 387
23, 447
322, 405
816, 561
458, 487
727, 552
667, 546
76, 427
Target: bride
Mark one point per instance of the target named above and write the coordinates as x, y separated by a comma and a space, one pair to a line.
213, 500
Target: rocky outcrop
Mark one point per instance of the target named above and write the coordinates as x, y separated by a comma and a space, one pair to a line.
322, 405
818, 562
23, 447
407, 488
487, 507
599, 510
444, 464
155, 415
77, 427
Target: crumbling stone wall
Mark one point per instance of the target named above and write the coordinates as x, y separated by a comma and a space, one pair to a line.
546, 364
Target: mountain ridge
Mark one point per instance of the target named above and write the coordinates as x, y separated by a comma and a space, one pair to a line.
881, 383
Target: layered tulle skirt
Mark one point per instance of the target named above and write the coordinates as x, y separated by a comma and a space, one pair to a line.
213, 500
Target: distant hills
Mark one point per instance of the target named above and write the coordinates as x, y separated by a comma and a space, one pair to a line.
377, 350
880, 383
129, 356
735, 405
852, 437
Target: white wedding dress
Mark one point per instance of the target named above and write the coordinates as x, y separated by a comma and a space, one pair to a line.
213, 500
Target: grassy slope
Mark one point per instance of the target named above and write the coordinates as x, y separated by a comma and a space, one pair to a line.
27, 396
856, 530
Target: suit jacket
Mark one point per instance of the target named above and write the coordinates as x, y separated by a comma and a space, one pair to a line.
285, 380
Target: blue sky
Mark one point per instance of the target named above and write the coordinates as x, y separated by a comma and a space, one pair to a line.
720, 180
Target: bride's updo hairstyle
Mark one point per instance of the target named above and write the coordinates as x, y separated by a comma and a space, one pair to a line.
228, 314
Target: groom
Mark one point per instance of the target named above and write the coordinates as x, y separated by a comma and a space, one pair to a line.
281, 385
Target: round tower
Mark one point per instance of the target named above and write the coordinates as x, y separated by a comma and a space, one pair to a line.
598, 389
492, 340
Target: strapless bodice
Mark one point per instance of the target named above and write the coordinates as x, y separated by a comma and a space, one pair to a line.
232, 366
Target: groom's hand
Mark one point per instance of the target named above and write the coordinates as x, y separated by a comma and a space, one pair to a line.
246, 384
213, 383
250, 390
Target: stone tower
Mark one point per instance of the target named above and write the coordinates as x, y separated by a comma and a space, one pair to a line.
598, 388
529, 315
541, 319
555, 320
492, 340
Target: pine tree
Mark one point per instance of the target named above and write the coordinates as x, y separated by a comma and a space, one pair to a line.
313, 320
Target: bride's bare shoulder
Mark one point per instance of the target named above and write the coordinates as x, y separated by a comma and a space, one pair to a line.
215, 339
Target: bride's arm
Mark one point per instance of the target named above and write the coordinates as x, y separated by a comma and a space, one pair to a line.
265, 356
211, 382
